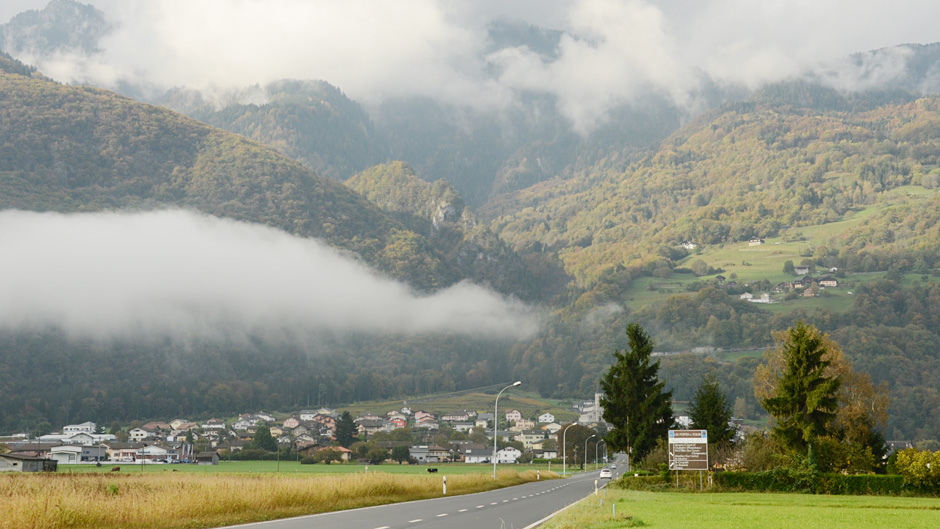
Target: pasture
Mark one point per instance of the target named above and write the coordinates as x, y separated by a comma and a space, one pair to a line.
290, 468
744, 510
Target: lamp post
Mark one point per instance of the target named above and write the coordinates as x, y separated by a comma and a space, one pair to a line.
564, 450
585, 450
595, 451
496, 421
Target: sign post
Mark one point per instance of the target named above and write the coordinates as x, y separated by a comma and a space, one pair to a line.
688, 450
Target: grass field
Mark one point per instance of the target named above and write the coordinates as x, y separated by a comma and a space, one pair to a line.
745, 510
749, 263
161, 500
530, 404
289, 468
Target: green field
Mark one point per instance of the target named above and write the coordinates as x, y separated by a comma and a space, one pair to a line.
293, 467
530, 404
737, 510
750, 263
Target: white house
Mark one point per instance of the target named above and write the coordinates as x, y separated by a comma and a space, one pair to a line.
546, 418
513, 415
476, 453
463, 426
157, 453
308, 415
457, 416
78, 454
138, 434
552, 428
508, 455
85, 427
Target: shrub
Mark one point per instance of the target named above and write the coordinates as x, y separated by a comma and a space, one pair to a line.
786, 479
919, 468
308, 460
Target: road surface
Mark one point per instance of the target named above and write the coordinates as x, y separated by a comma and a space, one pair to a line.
509, 508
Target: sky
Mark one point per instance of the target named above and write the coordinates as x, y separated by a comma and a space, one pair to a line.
375, 49
181, 274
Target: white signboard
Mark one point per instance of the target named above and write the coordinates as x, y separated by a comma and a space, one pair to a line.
688, 450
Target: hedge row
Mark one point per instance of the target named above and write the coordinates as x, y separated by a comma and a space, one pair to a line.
790, 480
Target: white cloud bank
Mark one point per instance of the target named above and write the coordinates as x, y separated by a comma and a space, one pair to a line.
375, 49
183, 275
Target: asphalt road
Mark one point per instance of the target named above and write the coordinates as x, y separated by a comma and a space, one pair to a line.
509, 508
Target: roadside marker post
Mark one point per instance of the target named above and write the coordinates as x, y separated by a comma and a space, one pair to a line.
445, 485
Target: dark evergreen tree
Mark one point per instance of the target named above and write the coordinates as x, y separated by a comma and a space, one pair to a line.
401, 454
634, 400
806, 400
345, 430
710, 411
263, 440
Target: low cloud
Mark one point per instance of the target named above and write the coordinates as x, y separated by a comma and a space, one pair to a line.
183, 275
612, 51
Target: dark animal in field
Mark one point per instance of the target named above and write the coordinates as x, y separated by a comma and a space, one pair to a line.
432, 470
115, 469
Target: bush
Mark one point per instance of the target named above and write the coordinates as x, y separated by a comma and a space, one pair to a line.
308, 460
798, 480
758, 453
919, 468
249, 454
782, 479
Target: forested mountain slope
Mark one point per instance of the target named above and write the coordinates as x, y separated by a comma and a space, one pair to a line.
752, 169
840, 182
78, 149
65, 148
438, 212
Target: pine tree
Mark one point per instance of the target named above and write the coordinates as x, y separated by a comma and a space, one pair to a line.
264, 440
806, 400
634, 400
345, 430
710, 411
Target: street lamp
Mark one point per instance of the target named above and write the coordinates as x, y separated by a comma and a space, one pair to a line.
564, 450
496, 421
585, 450
595, 451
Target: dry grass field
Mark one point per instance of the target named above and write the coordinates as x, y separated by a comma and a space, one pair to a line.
190, 500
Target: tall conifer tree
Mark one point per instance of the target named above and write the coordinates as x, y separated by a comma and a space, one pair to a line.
710, 411
806, 398
634, 399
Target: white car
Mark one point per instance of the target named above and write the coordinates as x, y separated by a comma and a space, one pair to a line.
606, 473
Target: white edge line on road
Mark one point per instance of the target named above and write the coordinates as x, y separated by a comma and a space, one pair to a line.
552, 515
384, 505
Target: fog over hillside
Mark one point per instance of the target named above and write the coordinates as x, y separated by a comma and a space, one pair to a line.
607, 52
182, 275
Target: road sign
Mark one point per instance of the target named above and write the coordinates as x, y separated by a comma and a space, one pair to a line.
688, 450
